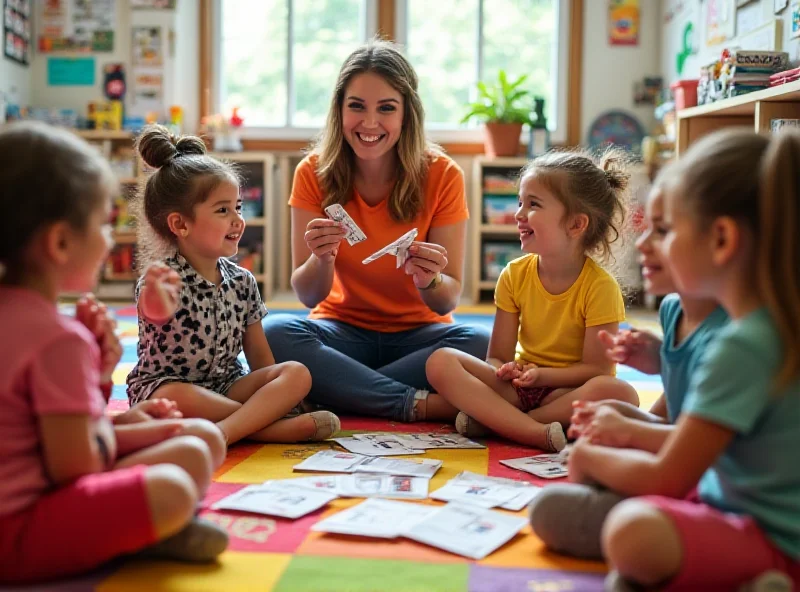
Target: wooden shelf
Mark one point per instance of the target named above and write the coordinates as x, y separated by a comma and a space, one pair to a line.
261, 221
487, 284
105, 134
260, 277
505, 229
745, 104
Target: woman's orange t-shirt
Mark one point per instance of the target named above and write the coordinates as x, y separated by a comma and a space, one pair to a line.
379, 296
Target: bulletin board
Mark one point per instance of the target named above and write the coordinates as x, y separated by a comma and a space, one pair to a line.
17, 30
76, 25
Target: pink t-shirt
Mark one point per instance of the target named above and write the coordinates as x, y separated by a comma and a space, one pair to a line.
49, 364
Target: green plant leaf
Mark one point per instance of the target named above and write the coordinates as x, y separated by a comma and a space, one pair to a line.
504, 101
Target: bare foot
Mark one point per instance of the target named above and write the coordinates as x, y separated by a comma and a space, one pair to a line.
315, 426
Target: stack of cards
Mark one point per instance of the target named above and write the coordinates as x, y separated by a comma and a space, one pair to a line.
401, 444
547, 466
464, 530
366, 485
487, 492
330, 461
353, 235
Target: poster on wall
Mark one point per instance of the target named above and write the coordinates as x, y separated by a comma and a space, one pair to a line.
148, 87
77, 25
17, 30
147, 48
153, 4
720, 21
795, 20
623, 22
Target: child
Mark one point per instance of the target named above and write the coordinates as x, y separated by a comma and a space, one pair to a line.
569, 517
551, 305
65, 470
198, 310
732, 216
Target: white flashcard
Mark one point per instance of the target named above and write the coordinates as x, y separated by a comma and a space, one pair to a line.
330, 461
275, 499
475, 493
354, 234
466, 530
398, 248
432, 440
426, 467
379, 446
318, 483
377, 485
546, 466
375, 518
526, 491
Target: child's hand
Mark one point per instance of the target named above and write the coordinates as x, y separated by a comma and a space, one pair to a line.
148, 411
576, 462
637, 349
159, 298
528, 376
133, 437
509, 371
583, 413
94, 315
608, 428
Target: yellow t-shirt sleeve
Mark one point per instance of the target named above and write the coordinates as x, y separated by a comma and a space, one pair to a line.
604, 302
450, 196
306, 193
504, 292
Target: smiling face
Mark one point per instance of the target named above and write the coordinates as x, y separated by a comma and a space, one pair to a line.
217, 225
655, 271
540, 219
372, 116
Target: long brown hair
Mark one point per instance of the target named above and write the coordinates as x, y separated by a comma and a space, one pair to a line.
336, 158
185, 177
754, 180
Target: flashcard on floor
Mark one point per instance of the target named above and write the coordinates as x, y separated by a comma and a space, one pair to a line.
317, 483
466, 530
275, 499
475, 493
354, 234
547, 466
433, 440
398, 248
377, 446
376, 485
425, 467
375, 518
525, 491
330, 461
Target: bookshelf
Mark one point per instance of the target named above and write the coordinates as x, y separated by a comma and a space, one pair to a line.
493, 229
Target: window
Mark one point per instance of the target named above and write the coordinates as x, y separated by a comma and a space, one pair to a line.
454, 43
277, 60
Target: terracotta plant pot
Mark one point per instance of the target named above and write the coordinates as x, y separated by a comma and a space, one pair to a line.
502, 139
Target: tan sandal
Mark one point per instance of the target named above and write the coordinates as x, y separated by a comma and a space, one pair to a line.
466, 426
327, 424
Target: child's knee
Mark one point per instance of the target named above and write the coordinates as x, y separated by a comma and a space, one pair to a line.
631, 530
209, 433
172, 498
602, 388
299, 376
438, 362
194, 456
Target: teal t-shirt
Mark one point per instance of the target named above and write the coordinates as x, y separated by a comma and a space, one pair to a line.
758, 473
679, 361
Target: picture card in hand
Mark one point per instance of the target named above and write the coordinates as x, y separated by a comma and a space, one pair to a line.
275, 499
432, 440
466, 530
354, 234
546, 466
475, 493
425, 467
375, 518
330, 461
380, 445
377, 485
398, 248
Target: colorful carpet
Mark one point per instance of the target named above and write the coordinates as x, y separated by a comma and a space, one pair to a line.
279, 555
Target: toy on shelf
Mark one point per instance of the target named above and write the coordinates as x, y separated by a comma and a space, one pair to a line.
225, 130
738, 72
105, 115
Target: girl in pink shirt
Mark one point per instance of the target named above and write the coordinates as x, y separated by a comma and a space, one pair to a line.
77, 489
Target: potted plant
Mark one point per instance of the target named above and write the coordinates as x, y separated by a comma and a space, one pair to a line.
504, 109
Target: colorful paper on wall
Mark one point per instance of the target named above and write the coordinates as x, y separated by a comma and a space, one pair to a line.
623, 22
77, 25
720, 21
70, 71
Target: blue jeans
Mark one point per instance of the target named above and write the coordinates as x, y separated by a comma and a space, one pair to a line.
363, 372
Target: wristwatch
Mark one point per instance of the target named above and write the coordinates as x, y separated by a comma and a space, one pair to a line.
437, 279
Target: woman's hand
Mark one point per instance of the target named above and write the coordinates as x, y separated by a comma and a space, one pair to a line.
323, 237
425, 262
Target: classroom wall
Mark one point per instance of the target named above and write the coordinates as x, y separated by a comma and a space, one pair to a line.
15, 81
609, 72
753, 31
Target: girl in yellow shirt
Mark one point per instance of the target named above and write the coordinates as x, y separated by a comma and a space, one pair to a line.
551, 305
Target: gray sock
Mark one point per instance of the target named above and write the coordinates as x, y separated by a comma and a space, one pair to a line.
569, 518
200, 541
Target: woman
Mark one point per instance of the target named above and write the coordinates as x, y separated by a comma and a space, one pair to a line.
373, 326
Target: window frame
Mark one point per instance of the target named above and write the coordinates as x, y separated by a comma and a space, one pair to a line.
280, 132
561, 70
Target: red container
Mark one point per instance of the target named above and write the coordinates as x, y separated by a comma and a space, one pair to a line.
685, 93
